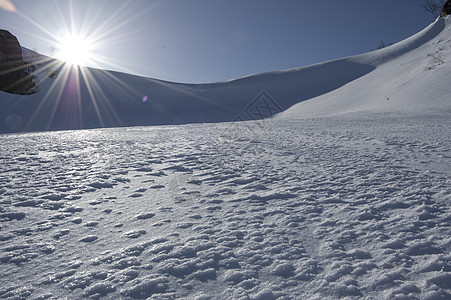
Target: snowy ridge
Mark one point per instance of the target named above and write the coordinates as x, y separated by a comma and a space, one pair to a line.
394, 51
412, 75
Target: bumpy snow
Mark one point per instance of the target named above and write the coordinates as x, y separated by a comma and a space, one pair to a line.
324, 208
353, 203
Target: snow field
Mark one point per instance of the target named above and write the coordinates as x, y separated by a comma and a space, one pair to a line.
346, 207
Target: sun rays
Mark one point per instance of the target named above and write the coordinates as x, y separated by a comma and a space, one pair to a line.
75, 92
74, 96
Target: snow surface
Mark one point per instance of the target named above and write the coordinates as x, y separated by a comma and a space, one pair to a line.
353, 203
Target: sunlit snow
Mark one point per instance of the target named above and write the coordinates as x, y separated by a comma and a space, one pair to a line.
343, 194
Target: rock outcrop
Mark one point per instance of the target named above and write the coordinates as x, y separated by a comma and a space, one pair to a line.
446, 9
15, 73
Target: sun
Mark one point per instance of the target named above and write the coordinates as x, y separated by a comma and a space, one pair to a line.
75, 50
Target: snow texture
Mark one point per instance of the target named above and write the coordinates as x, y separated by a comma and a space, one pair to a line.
353, 203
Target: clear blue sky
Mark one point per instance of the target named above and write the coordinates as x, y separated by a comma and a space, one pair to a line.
215, 40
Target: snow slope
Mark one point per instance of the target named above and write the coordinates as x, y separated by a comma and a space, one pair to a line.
108, 99
353, 203
412, 75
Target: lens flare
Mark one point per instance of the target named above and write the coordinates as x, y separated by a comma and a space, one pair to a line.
7, 5
14, 122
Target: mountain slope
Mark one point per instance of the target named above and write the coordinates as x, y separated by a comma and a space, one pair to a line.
89, 98
382, 80
412, 75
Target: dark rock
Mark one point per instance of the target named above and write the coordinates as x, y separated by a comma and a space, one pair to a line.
9, 48
446, 9
15, 73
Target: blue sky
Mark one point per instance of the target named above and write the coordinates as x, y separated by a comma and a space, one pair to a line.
214, 40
